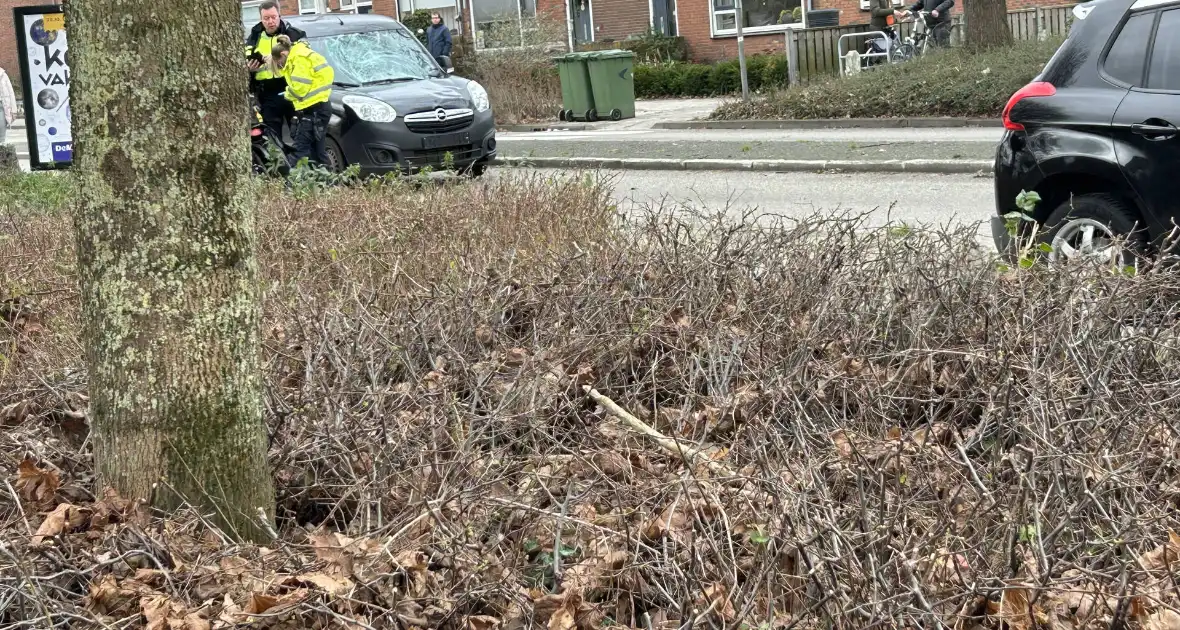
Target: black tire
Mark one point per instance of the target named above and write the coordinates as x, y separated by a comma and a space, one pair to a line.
478, 169
1118, 217
616, 114
592, 116
570, 116
561, 115
336, 162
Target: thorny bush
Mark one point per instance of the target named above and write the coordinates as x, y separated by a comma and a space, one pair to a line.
868, 427
953, 82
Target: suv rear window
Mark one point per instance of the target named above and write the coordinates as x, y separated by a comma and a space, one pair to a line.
1165, 57
1128, 55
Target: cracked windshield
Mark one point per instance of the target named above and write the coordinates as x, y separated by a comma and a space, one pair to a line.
375, 57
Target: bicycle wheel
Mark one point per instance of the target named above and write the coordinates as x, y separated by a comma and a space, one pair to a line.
904, 52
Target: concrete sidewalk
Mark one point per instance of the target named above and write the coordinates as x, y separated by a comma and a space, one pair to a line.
648, 114
909, 150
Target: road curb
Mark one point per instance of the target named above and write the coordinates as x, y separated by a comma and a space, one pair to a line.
938, 167
832, 123
545, 127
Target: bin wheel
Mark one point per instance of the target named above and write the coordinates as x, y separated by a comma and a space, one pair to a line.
570, 116
592, 115
616, 114
561, 115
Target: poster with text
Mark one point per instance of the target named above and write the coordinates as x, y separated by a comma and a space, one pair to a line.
45, 68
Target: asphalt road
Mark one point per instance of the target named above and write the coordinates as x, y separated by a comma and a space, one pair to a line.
917, 200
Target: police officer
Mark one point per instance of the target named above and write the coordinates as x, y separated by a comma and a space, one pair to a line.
309, 79
268, 87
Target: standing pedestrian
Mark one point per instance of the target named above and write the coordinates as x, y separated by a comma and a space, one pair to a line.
8, 105
309, 79
438, 39
266, 86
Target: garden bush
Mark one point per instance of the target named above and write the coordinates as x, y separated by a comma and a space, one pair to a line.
948, 83
522, 82
717, 79
417, 21
651, 47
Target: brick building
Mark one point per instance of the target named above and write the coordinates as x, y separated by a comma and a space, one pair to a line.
708, 26
8, 37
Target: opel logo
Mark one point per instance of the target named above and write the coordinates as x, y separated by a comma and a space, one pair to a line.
441, 114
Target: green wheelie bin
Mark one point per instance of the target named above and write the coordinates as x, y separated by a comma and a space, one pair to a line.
577, 95
612, 78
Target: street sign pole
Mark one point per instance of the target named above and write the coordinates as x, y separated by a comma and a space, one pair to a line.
742, 54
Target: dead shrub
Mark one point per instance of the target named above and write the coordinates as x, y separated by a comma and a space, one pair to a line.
866, 427
515, 65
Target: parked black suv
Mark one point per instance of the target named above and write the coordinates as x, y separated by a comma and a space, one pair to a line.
1095, 134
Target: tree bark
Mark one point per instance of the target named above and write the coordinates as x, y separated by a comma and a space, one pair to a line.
987, 24
165, 229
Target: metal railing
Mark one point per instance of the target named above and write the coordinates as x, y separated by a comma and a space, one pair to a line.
867, 36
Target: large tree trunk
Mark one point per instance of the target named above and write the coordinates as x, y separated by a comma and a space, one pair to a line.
987, 24
166, 256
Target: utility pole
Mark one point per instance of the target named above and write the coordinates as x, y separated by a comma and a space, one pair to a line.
742, 54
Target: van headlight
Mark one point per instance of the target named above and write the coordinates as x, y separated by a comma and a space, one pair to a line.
370, 109
479, 96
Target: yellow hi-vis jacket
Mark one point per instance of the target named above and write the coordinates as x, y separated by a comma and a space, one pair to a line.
309, 76
264, 45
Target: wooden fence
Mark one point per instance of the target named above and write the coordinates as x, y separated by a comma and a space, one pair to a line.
815, 49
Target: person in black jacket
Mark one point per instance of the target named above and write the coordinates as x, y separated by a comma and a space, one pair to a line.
939, 20
438, 38
265, 85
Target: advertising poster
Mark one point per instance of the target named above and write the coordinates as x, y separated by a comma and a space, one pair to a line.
45, 77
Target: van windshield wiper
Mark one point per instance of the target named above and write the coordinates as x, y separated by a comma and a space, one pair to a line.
393, 80
346, 84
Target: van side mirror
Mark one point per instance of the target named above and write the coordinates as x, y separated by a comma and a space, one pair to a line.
445, 61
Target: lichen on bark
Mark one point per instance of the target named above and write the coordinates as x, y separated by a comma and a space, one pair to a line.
164, 222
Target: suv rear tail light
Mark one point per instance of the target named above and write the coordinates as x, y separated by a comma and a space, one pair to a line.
1032, 90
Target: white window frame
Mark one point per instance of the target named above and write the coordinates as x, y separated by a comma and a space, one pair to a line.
866, 4
348, 6
751, 30
519, 22
316, 7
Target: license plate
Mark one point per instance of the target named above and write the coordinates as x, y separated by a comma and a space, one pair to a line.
446, 140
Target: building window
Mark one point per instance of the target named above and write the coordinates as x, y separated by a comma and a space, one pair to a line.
504, 23
364, 6
251, 14
758, 16
309, 7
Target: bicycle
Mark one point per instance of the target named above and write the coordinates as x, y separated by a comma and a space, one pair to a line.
920, 39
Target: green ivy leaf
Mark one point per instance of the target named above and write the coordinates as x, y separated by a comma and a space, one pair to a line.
1027, 200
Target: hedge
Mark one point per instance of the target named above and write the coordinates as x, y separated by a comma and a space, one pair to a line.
677, 79
951, 83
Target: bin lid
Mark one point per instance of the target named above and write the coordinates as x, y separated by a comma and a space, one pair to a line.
611, 54
574, 56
